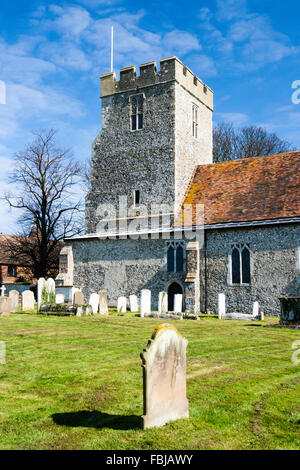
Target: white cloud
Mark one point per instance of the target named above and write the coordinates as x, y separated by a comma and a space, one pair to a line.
230, 9
70, 21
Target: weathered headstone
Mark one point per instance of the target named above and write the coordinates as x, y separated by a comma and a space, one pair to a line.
59, 298
14, 297
164, 377
103, 302
178, 303
256, 309
88, 310
221, 306
27, 301
40, 286
5, 306
79, 312
262, 315
122, 305
134, 305
163, 303
145, 302
94, 302
78, 298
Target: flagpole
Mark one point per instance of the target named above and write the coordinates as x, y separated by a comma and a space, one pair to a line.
112, 50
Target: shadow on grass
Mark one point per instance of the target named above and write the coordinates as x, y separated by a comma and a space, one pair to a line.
98, 420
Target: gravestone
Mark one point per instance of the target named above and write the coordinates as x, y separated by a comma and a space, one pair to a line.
50, 286
164, 377
103, 302
3, 289
27, 301
40, 286
14, 297
221, 306
178, 303
134, 305
88, 310
5, 306
59, 299
163, 303
78, 298
94, 302
79, 312
122, 305
256, 309
262, 316
145, 302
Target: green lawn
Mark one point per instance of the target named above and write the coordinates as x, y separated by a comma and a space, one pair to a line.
76, 383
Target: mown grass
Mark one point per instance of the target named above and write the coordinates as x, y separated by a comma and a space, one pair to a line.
76, 383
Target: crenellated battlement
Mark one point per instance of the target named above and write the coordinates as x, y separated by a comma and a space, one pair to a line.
171, 69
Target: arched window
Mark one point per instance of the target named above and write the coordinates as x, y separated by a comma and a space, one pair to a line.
175, 257
170, 259
179, 259
240, 265
246, 265
236, 267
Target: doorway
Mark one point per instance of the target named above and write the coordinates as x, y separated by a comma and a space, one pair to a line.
174, 288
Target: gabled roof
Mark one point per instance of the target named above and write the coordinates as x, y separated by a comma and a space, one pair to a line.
250, 189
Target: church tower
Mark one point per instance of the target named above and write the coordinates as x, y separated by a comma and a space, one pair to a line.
156, 127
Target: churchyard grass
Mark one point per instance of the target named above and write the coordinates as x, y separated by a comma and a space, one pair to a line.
76, 383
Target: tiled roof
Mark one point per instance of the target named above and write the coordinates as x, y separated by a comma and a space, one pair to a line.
250, 189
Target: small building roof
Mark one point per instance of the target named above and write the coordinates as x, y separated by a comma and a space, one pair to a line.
247, 190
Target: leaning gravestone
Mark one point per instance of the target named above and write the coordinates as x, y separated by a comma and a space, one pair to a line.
14, 297
164, 377
134, 305
59, 299
163, 303
78, 298
5, 306
178, 303
27, 301
94, 302
145, 302
103, 302
122, 305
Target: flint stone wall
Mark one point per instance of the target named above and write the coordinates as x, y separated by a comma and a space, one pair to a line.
123, 268
273, 268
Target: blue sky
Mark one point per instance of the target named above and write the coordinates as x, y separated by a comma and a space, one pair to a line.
52, 54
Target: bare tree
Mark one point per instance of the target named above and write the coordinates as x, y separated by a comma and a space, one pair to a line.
249, 141
44, 176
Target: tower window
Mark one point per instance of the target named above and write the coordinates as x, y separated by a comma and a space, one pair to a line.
137, 197
195, 121
240, 265
175, 257
137, 112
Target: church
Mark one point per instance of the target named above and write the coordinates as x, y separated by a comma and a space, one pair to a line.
160, 215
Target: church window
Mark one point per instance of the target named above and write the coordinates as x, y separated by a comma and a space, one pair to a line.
175, 257
240, 265
195, 121
137, 197
137, 112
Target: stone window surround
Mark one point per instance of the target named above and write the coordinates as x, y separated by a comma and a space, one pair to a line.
131, 113
175, 244
239, 247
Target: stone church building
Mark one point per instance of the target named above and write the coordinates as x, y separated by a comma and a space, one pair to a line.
151, 166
